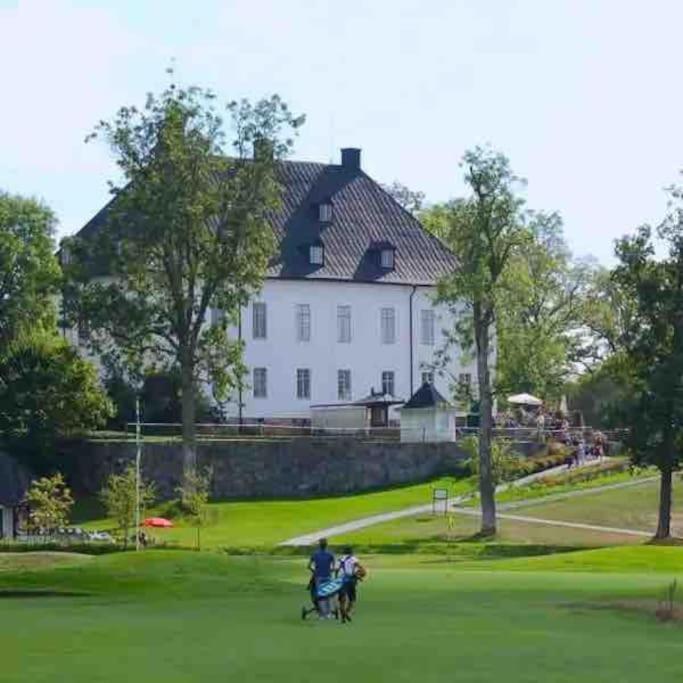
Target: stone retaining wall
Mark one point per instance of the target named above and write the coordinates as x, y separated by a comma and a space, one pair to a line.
270, 469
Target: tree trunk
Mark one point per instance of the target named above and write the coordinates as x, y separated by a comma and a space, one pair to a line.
664, 522
188, 410
487, 487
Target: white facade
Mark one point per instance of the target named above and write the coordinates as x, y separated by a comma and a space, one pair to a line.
6, 522
306, 343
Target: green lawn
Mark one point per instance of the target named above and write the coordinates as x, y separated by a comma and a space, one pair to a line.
251, 524
634, 507
425, 532
176, 617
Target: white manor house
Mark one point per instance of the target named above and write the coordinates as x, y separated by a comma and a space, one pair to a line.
346, 308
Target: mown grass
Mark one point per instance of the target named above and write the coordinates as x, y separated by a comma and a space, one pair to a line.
423, 532
633, 507
264, 523
175, 617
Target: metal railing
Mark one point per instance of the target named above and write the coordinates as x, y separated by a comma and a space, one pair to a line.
264, 429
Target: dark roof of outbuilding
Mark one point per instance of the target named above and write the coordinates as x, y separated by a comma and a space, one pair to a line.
426, 396
365, 218
14, 481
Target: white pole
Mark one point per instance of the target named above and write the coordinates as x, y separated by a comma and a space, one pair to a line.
138, 454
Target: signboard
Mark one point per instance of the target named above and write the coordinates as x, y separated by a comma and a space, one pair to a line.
439, 498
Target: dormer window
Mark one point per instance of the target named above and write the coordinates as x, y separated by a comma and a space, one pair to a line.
325, 212
386, 259
316, 254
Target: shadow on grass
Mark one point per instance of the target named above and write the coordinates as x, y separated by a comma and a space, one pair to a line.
465, 549
39, 593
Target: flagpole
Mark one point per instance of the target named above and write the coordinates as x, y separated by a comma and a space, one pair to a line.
138, 454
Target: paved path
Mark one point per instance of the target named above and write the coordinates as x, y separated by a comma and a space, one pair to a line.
356, 524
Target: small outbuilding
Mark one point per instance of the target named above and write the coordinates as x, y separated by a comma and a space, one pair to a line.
427, 417
367, 413
14, 481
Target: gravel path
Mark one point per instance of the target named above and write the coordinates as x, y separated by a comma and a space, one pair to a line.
356, 524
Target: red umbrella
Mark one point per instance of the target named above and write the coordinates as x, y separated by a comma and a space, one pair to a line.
157, 522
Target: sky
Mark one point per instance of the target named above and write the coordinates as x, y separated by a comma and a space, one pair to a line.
583, 96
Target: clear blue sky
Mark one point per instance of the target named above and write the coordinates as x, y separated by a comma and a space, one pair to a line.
584, 96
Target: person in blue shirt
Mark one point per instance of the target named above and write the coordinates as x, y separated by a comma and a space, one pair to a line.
321, 566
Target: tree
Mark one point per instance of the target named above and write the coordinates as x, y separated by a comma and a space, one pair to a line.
411, 200
119, 497
50, 502
29, 272
504, 461
485, 231
652, 346
541, 313
194, 497
187, 234
47, 391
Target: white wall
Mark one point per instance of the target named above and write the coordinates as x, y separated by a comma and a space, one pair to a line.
365, 356
427, 425
6, 522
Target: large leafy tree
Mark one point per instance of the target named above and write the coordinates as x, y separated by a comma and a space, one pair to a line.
186, 234
651, 346
29, 272
540, 321
485, 230
47, 392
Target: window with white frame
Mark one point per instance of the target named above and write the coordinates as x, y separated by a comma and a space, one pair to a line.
344, 324
427, 327
259, 320
325, 212
388, 325
316, 254
344, 385
303, 383
386, 258
260, 386
388, 386
303, 322
427, 377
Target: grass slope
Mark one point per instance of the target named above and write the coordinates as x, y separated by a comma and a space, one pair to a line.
175, 617
266, 523
634, 507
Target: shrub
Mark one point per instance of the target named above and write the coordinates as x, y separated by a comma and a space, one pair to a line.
50, 502
119, 497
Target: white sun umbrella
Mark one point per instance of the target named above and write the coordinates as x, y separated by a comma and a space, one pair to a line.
525, 400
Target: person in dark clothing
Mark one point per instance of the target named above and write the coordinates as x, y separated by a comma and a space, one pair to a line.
321, 566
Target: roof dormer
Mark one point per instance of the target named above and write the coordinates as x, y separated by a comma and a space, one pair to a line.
325, 211
384, 254
316, 253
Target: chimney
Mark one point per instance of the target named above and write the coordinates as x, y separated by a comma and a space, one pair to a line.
350, 157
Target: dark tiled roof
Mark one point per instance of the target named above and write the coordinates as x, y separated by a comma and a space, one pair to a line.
14, 481
365, 219
426, 397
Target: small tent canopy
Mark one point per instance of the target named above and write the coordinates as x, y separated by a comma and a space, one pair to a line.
525, 400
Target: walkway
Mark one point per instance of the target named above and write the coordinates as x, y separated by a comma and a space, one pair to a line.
357, 524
